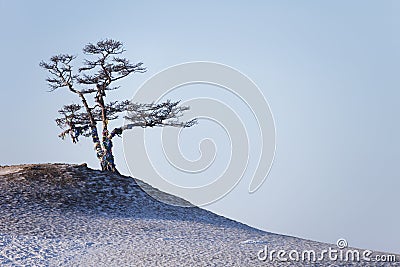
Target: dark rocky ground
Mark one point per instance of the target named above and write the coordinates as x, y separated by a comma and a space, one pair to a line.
70, 215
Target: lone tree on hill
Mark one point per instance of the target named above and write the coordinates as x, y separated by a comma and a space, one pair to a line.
94, 78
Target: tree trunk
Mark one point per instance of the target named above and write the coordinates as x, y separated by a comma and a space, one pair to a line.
107, 159
104, 153
96, 142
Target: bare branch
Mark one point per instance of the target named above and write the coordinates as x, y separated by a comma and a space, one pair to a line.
153, 115
60, 68
107, 46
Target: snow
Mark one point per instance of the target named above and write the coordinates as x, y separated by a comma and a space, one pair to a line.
8, 170
63, 215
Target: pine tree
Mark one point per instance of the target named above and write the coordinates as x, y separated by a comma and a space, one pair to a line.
102, 67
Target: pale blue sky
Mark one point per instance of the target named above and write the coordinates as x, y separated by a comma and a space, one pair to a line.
329, 70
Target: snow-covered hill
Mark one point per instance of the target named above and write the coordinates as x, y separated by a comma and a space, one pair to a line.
70, 215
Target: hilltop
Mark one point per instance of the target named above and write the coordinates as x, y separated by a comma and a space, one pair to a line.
71, 215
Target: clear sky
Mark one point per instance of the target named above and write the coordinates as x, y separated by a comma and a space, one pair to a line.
329, 70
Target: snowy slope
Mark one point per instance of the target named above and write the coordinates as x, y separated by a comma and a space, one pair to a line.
70, 215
